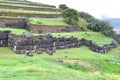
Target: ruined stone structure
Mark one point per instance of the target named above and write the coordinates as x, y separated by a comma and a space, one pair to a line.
28, 44
4, 38
22, 24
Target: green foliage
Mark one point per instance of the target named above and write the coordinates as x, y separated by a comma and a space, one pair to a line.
86, 16
71, 16
99, 26
63, 6
116, 37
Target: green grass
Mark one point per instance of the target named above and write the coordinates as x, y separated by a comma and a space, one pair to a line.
26, 3
95, 36
27, 11
48, 21
45, 67
22, 5
14, 30
10, 17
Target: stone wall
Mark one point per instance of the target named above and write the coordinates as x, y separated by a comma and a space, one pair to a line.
18, 23
45, 29
28, 44
4, 38
3, 21
49, 44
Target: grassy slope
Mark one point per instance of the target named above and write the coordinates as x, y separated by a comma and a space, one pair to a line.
21, 5
92, 66
21, 67
26, 3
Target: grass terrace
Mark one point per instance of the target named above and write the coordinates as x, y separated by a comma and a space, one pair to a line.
95, 36
14, 30
48, 21
10, 17
27, 3
22, 5
27, 11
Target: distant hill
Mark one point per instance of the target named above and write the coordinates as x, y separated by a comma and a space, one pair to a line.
115, 22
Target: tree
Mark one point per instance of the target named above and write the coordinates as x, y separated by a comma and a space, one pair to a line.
86, 16
63, 6
70, 16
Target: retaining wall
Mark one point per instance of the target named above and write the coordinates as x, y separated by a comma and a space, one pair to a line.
27, 44
45, 29
5, 20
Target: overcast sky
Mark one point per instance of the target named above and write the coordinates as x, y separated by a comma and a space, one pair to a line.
97, 8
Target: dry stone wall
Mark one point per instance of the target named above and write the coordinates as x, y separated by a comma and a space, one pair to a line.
3, 21
4, 38
28, 44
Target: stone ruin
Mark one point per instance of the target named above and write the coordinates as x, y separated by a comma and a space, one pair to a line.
29, 44
70, 28
22, 24
4, 38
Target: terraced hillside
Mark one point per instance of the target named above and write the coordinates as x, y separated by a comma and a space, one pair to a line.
75, 63
13, 11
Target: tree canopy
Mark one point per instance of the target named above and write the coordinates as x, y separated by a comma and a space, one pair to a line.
70, 16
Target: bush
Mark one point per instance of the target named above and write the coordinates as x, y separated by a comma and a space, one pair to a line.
70, 16
86, 16
63, 6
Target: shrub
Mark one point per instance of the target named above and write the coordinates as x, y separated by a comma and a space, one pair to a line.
70, 16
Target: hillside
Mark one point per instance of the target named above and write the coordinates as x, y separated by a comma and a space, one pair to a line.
114, 22
71, 53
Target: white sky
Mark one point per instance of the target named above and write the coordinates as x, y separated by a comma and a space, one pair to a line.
97, 8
